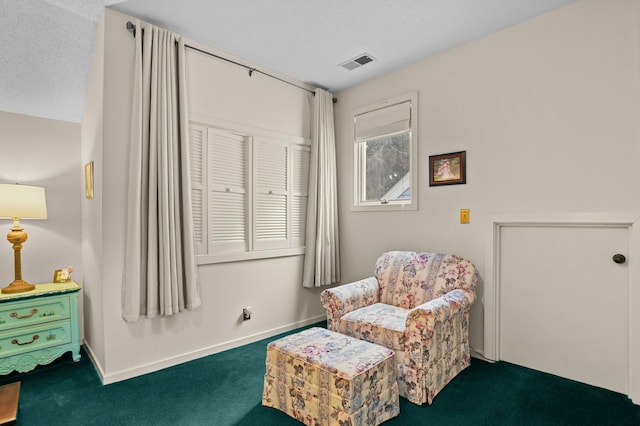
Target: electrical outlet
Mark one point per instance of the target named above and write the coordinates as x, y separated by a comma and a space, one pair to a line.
246, 313
464, 215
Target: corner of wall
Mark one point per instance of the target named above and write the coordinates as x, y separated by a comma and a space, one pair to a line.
91, 141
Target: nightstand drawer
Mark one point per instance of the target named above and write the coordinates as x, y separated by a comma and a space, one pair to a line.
33, 311
34, 338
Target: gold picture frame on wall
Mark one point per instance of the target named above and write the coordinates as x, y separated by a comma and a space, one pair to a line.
88, 180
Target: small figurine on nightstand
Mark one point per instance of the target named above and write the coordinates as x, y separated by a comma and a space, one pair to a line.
62, 275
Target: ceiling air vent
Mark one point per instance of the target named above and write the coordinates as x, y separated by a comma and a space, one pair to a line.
358, 61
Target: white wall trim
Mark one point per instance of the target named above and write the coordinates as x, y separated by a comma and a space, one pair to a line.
492, 276
244, 129
94, 359
634, 313
182, 358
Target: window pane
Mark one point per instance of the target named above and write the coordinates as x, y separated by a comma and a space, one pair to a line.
387, 162
385, 154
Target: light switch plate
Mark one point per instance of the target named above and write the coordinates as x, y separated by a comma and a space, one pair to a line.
464, 215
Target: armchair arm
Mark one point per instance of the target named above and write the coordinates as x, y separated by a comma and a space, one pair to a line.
437, 342
423, 320
349, 297
444, 306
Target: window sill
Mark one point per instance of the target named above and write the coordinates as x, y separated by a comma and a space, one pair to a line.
379, 207
208, 259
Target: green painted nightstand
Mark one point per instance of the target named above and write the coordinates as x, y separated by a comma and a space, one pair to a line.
38, 326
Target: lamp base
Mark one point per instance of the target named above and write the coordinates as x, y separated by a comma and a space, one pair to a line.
18, 286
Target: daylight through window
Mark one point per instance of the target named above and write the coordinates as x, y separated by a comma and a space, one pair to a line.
385, 138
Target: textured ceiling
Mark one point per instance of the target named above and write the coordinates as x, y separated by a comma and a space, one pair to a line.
45, 49
45, 45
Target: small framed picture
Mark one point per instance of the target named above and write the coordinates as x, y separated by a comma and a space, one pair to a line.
62, 275
448, 169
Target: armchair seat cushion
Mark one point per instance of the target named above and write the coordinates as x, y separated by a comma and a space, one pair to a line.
378, 323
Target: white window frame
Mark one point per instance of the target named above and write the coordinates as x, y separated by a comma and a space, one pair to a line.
359, 202
295, 190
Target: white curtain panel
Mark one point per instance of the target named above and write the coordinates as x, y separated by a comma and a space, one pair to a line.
322, 257
160, 275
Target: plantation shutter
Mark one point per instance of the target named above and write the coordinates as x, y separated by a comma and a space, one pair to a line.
249, 193
197, 135
271, 195
299, 194
383, 121
227, 159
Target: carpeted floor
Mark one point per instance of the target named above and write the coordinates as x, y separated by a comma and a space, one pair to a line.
226, 389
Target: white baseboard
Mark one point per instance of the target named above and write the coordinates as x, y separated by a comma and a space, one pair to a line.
93, 359
179, 359
480, 355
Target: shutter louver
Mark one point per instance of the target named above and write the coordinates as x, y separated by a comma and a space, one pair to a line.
272, 196
301, 156
228, 222
196, 158
271, 217
299, 219
227, 192
271, 167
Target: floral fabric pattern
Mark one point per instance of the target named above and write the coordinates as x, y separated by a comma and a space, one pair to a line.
348, 298
408, 279
421, 312
378, 323
324, 378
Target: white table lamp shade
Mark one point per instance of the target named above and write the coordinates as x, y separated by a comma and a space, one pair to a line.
22, 201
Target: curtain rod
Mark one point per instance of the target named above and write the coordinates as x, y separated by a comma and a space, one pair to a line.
131, 27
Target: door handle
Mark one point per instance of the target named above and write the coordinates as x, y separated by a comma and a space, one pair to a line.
619, 258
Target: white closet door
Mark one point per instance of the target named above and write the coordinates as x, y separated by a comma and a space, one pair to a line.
564, 302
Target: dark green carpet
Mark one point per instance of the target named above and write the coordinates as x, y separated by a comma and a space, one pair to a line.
226, 389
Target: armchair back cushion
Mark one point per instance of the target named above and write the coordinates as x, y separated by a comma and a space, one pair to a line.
407, 279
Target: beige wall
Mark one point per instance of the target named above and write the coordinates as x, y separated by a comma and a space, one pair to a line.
548, 113
272, 287
92, 230
43, 152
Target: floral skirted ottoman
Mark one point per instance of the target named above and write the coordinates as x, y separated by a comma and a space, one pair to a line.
320, 377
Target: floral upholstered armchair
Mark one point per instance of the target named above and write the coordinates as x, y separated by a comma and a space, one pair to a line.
418, 305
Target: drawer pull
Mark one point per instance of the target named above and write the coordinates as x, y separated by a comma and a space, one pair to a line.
15, 314
35, 337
